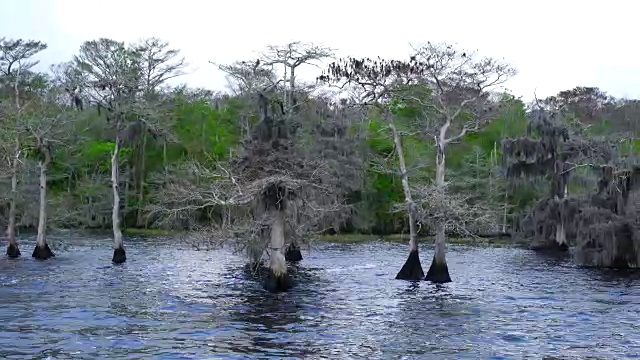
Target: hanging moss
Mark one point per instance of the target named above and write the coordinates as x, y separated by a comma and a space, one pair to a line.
546, 215
602, 227
607, 239
608, 227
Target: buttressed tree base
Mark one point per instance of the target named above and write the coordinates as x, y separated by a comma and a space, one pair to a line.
293, 253
119, 256
13, 251
438, 272
412, 268
42, 252
278, 282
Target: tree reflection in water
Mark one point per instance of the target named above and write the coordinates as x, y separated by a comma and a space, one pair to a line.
282, 324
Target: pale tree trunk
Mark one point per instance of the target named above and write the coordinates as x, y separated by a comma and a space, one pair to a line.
561, 233
284, 93
277, 280
119, 255
42, 250
12, 249
412, 268
292, 85
439, 270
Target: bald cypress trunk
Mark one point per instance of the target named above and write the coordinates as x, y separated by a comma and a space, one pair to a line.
412, 268
277, 279
119, 255
42, 250
439, 270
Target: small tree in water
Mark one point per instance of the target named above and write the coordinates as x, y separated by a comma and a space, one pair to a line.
250, 78
109, 75
44, 120
274, 170
275, 178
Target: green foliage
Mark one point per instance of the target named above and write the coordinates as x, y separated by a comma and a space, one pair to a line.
383, 187
204, 131
511, 122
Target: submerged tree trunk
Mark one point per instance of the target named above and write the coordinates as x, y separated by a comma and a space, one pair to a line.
42, 250
412, 268
277, 280
293, 253
12, 248
439, 270
119, 255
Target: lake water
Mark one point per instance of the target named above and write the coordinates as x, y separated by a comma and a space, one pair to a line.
171, 302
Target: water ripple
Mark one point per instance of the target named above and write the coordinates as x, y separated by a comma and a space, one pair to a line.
173, 303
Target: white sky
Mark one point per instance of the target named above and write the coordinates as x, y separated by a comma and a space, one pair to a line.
555, 45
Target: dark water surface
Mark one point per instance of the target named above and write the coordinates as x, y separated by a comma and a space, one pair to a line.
169, 302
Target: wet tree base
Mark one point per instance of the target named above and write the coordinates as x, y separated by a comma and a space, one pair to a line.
412, 269
119, 256
277, 283
13, 251
42, 252
293, 253
438, 272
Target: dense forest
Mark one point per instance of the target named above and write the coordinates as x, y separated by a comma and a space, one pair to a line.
105, 141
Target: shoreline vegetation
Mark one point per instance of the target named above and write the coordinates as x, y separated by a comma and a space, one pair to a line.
352, 238
343, 238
